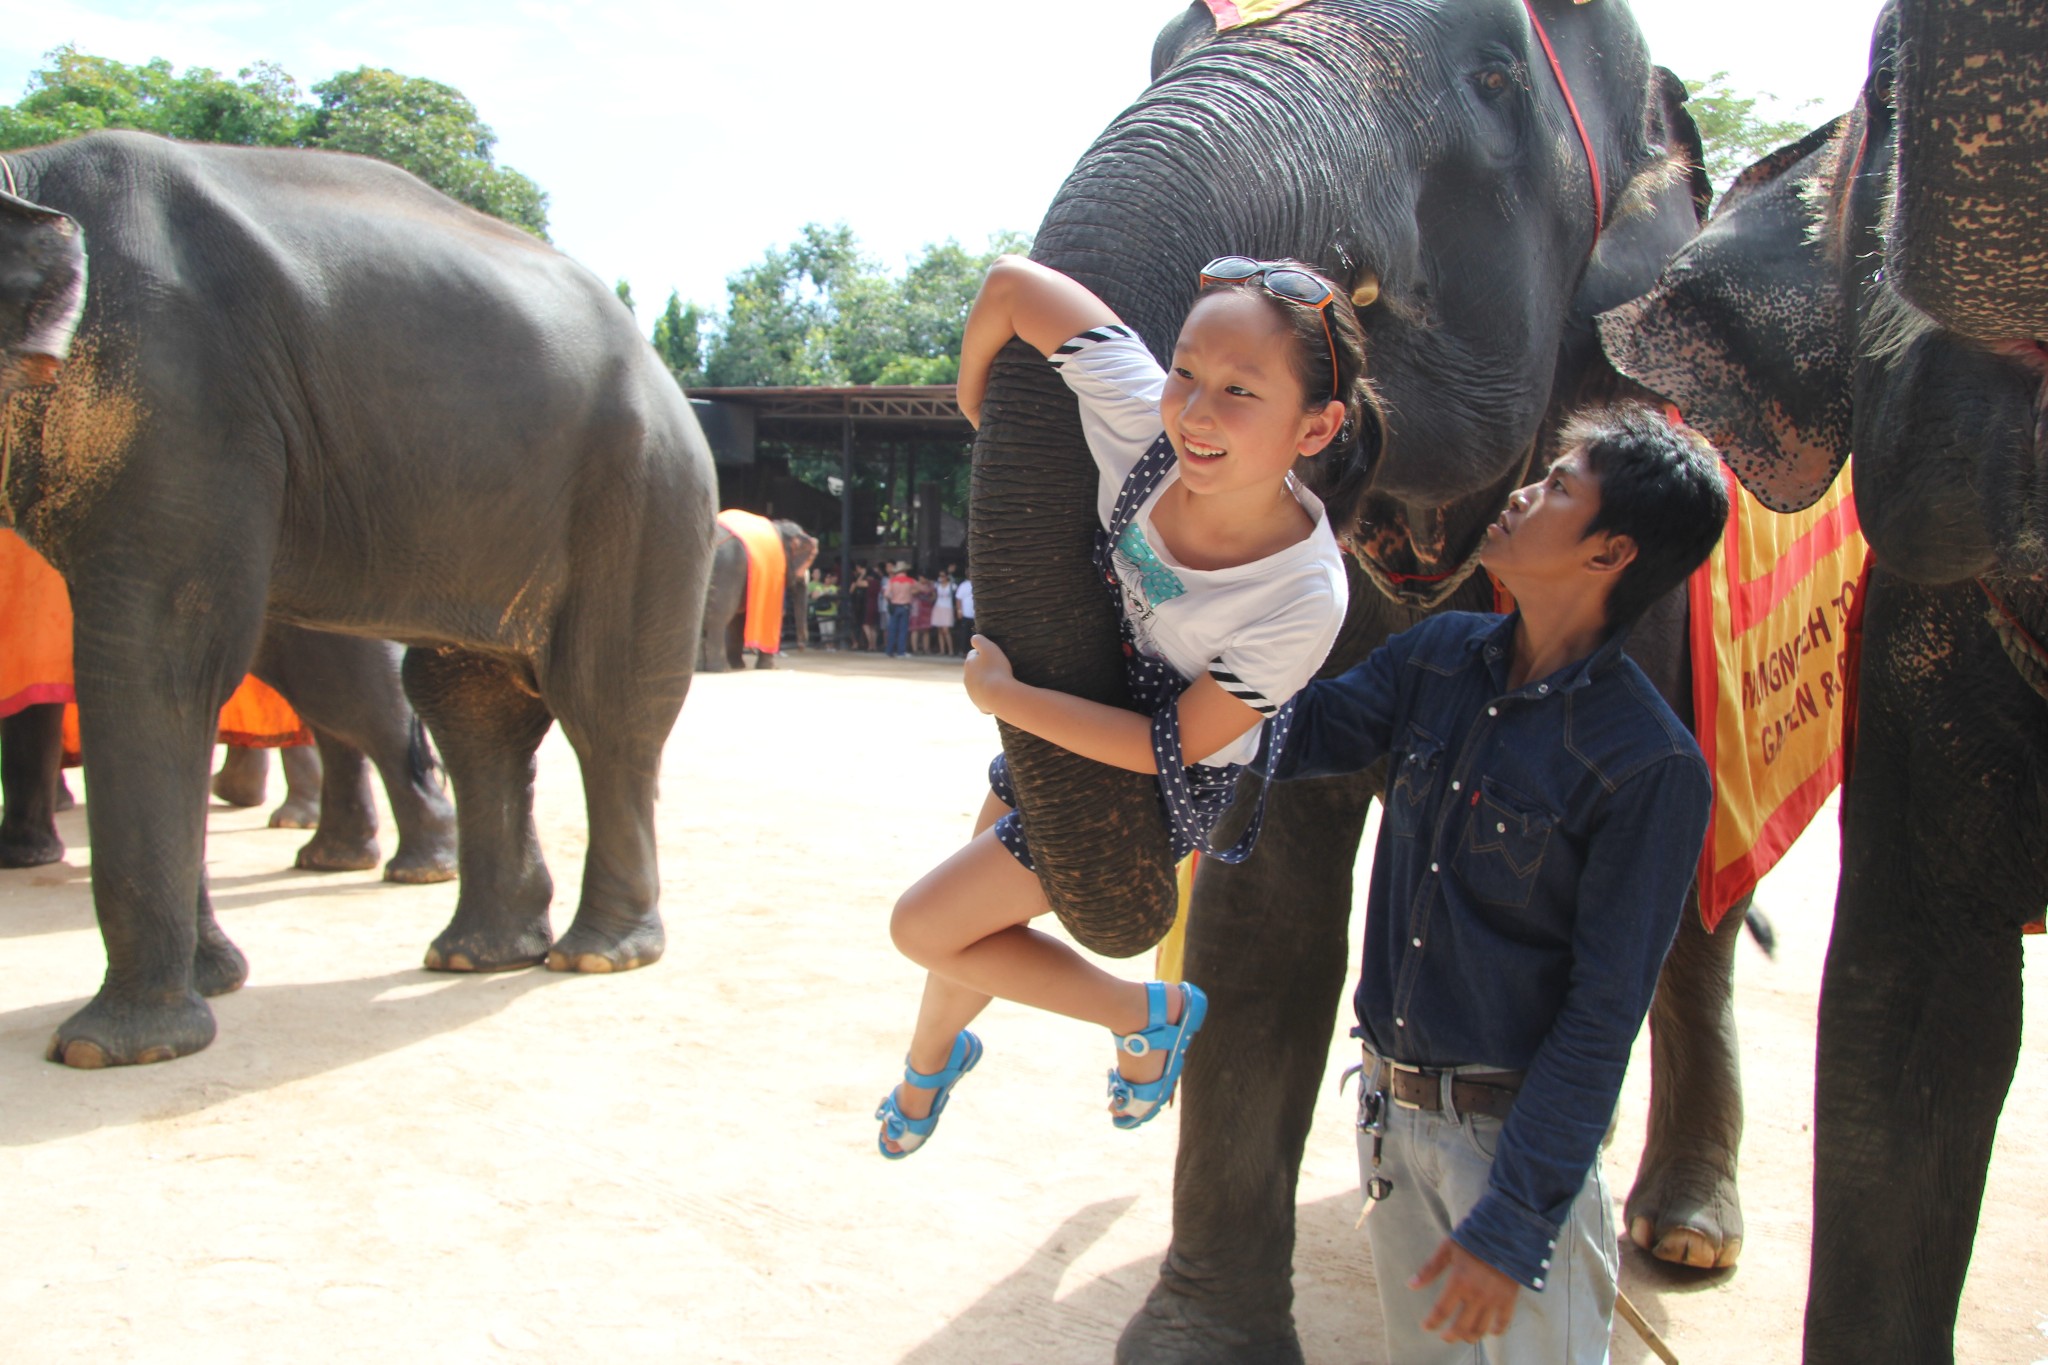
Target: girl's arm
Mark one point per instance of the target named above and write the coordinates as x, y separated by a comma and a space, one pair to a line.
1021, 298
1210, 718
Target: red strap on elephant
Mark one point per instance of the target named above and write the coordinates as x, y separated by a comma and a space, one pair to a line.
1586, 141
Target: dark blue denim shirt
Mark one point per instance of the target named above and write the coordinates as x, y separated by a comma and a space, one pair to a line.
1534, 856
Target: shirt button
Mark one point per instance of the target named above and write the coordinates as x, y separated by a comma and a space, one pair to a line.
1500, 829
1416, 941
1537, 1282
1543, 689
1493, 710
1400, 1023
1432, 867
1454, 786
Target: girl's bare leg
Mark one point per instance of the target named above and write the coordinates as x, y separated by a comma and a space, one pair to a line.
967, 922
948, 1000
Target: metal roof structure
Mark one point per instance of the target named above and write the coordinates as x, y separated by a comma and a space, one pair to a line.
847, 416
925, 406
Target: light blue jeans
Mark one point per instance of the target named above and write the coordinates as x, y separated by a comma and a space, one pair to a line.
1438, 1163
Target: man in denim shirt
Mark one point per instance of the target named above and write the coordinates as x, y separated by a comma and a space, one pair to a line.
1543, 816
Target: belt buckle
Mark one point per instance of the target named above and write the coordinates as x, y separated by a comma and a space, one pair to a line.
1393, 1092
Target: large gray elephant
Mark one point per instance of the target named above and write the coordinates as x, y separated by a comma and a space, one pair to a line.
347, 691
305, 387
1482, 207
1782, 335
725, 595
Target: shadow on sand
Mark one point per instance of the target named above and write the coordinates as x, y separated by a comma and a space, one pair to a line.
46, 1101
1336, 1309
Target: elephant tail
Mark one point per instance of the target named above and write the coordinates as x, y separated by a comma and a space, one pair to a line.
1761, 929
422, 762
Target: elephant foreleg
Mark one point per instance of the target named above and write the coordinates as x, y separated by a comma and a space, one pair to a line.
1267, 941
31, 775
148, 737
1921, 1000
1685, 1206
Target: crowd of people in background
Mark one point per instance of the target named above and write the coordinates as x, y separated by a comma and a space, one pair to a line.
888, 609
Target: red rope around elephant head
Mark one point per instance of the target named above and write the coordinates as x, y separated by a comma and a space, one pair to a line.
1585, 140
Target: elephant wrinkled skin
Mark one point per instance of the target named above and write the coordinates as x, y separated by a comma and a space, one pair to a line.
1782, 337
305, 387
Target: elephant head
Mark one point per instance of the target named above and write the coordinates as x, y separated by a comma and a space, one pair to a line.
42, 291
799, 552
1431, 158
1781, 335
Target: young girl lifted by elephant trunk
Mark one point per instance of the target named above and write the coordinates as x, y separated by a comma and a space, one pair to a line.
1231, 590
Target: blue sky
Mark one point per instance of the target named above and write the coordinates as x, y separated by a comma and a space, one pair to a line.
678, 142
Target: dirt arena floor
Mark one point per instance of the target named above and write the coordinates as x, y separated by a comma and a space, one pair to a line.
376, 1163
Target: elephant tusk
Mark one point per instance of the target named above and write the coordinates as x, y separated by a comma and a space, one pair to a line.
1367, 293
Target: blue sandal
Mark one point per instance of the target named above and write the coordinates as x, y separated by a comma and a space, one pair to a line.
909, 1133
1137, 1103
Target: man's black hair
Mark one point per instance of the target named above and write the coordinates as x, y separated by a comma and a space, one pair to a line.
1661, 487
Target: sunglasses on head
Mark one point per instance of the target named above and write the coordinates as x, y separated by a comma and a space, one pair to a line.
1282, 282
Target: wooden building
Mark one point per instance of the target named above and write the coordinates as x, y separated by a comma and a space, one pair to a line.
875, 472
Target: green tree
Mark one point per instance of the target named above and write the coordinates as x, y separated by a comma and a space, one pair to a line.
679, 340
429, 129
780, 313
1733, 134
625, 293
821, 312
79, 93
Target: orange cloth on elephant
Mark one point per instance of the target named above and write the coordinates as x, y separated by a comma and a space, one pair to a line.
35, 658
256, 717
35, 629
1771, 668
766, 567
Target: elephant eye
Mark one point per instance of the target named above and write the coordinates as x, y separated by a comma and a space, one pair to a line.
1494, 81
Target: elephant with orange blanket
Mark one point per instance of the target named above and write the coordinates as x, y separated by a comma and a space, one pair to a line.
743, 607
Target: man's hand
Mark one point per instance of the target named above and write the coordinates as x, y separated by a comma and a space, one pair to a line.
987, 673
1478, 1301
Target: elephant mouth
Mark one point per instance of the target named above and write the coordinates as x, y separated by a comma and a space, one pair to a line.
1413, 554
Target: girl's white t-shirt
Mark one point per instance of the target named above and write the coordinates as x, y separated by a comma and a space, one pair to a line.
1260, 629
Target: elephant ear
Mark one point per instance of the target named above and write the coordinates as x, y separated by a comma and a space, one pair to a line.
1746, 331
42, 290
1660, 211
1181, 34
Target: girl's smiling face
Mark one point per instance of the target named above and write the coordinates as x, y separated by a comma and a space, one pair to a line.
1233, 406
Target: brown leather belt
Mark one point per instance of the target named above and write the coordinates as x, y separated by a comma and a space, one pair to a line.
1491, 1093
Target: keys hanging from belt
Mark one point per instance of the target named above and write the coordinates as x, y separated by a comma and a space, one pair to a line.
1372, 1118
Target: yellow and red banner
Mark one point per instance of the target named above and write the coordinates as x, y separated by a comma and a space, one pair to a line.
35, 658
766, 568
1770, 666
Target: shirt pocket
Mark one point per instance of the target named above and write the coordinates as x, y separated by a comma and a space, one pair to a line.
1417, 768
1505, 841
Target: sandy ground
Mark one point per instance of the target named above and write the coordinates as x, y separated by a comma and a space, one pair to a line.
378, 1163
